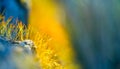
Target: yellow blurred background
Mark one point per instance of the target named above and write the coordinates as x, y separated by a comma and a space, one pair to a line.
44, 16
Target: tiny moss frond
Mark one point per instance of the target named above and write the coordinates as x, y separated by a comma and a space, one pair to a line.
45, 55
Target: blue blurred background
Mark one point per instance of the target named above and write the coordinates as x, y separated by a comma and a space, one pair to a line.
15, 9
94, 27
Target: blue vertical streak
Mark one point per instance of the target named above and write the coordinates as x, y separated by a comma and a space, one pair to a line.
95, 32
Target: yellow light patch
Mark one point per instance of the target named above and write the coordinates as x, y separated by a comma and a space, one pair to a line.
43, 17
